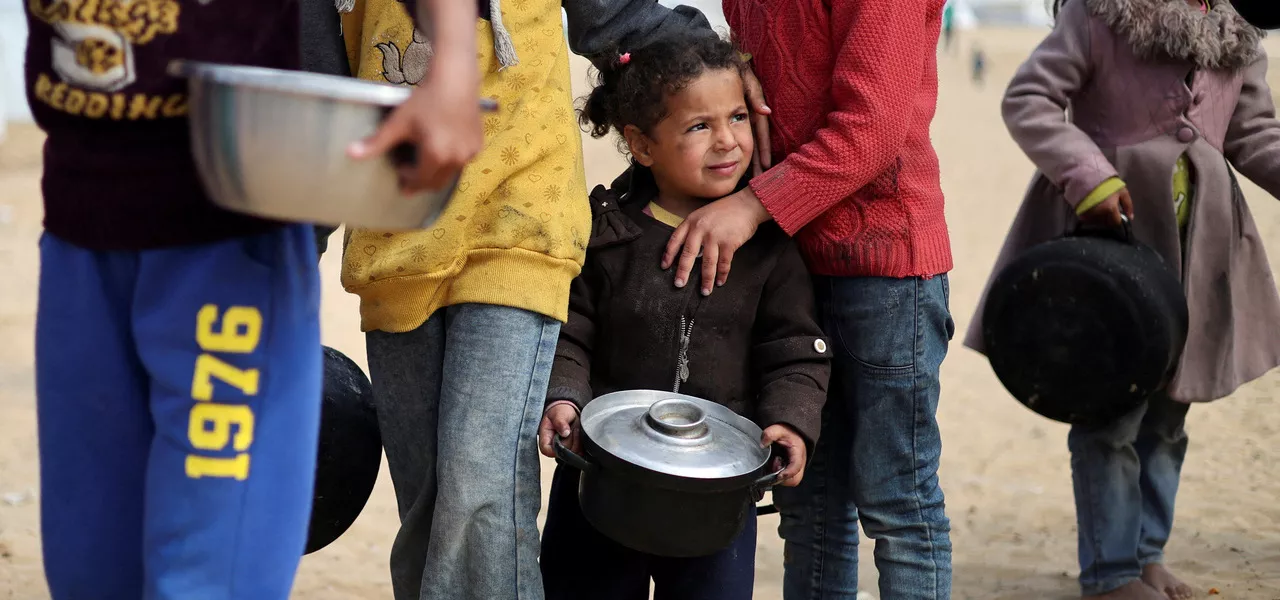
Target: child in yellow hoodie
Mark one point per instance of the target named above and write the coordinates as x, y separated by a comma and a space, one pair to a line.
463, 318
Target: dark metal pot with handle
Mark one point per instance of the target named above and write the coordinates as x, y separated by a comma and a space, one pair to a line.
349, 454
668, 474
1085, 328
1264, 14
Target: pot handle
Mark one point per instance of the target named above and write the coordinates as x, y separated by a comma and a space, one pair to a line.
1126, 227
1123, 233
571, 458
405, 154
768, 481
762, 485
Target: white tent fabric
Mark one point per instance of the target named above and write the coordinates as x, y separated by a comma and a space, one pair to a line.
1007, 12
969, 13
13, 44
964, 17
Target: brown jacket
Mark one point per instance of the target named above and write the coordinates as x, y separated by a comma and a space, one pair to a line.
1122, 69
754, 345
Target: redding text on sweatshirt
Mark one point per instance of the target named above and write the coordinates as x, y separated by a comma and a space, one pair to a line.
118, 169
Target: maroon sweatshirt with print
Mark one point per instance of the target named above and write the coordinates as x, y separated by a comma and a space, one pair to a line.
118, 170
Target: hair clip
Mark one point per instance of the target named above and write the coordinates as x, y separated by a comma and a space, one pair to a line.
625, 58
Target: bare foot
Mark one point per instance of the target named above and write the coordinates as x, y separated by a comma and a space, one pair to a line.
1158, 577
1134, 590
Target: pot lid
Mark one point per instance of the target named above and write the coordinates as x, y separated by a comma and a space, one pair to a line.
674, 434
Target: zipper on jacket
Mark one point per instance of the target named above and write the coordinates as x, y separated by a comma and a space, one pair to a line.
682, 357
689, 314
686, 340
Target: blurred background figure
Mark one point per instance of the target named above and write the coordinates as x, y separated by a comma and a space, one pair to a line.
949, 26
978, 66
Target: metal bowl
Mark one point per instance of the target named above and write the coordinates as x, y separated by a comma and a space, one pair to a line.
273, 144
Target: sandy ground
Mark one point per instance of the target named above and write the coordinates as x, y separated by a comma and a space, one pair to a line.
1005, 471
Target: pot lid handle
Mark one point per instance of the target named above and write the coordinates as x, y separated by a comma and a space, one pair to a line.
677, 418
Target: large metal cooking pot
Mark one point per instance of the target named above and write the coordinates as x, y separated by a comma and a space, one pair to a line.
273, 144
1085, 328
668, 474
350, 450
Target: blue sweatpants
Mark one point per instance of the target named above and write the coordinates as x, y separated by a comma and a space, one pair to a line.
178, 395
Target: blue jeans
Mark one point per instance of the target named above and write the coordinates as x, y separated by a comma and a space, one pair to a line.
877, 458
459, 400
1126, 477
580, 563
178, 397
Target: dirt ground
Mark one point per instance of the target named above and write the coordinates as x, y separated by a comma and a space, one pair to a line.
1005, 470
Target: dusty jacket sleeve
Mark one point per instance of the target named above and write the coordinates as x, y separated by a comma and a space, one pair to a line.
571, 371
597, 27
879, 70
1036, 101
1253, 137
790, 355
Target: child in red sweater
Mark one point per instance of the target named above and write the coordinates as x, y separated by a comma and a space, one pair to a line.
854, 88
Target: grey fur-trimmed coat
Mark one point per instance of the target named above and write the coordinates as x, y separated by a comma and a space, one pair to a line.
1145, 81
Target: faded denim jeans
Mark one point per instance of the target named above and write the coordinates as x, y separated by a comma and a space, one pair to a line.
877, 458
459, 400
1126, 477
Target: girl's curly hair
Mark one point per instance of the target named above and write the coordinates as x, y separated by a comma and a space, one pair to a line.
633, 88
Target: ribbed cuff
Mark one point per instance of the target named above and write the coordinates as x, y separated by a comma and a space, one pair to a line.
926, 253
788, 202
1100, 194
563, 390
1080, 181
555, 403
499, 277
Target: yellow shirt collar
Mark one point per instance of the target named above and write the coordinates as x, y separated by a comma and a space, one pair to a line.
665, 216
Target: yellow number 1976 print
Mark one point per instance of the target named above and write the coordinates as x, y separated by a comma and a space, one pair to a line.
213, 426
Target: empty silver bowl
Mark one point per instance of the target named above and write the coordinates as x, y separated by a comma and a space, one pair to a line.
273, 144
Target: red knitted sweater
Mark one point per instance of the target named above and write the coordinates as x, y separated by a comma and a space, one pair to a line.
853, 85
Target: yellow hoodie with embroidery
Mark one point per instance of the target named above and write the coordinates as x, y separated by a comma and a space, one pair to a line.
516, 232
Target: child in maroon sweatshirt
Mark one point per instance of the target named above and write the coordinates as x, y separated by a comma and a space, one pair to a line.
178, 356
854, 89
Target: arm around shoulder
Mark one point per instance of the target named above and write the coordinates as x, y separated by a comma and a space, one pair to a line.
599, 26
879, 71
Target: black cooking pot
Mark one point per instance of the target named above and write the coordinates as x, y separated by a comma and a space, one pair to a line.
350, 451
1085, 328
1264, 14
667, 474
